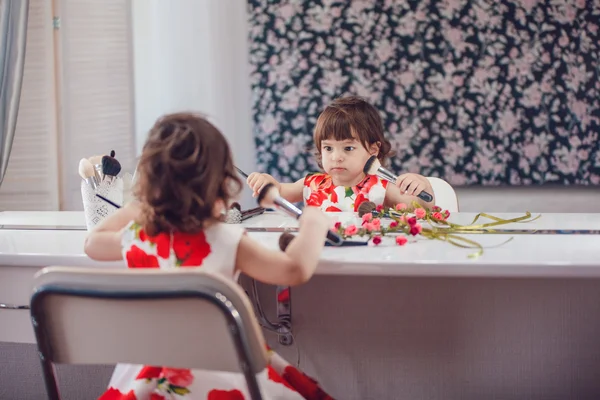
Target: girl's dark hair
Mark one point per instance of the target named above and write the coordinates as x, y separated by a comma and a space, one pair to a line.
351, 117
186, 167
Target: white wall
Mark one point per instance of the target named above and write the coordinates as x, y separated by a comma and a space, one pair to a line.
192, 54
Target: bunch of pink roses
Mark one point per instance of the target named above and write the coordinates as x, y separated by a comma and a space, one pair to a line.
405, 222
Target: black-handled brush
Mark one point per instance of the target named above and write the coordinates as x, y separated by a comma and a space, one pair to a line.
110, 167
373, 167
269, 196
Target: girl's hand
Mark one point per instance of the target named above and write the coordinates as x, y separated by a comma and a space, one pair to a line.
257, 181
315, 218
412, 184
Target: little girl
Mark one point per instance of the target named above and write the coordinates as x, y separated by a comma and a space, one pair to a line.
348, 132
185, 177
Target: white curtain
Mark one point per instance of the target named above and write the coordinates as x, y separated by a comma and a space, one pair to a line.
13, 31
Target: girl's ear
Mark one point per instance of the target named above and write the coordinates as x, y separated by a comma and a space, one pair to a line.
374, 148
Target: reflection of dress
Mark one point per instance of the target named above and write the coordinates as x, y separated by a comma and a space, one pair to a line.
319, 191
215, 250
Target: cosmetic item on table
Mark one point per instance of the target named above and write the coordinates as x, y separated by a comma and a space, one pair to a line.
87, 173
373, 167
366, 207
269, 196
286, 238
235, 215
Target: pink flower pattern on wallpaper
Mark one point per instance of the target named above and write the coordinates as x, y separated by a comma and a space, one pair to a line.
476, 92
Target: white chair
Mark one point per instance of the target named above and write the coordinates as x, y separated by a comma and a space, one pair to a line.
445, 196
99, 316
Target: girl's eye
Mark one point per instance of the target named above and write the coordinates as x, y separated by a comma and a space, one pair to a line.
349, 148
327, 148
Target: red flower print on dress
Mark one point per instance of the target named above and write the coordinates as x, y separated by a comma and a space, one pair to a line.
137, 258
178, 377
149, 372
316, 198
304, 385
333, 197
191, 249
275, 377
360, 198
216, 394
367, 184
332, 209
319, 182
284, 295
162, 242
114, 394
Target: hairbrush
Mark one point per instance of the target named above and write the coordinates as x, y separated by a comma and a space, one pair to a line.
110, 167
269, 196
373, 167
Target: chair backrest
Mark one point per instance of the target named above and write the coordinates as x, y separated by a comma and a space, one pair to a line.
445, 196
176, 318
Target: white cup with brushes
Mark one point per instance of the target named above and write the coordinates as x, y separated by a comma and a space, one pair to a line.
102, 191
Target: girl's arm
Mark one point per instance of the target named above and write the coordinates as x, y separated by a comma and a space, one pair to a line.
300, 259
292, 192
103, 243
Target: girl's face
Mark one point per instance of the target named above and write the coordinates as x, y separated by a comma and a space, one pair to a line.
344, 160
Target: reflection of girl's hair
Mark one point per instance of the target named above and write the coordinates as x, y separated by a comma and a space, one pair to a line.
185, 171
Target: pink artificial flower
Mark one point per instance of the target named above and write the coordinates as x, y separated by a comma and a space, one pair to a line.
416, 229
436, 209
437, 215
401, 206
376, 240
411, 221
420, 213
401, 240
369, 226
351, 230
393, 224
379, 208
337, 225
367, 217
376, 223
446, 213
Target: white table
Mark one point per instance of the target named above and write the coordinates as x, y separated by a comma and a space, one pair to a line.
537, 294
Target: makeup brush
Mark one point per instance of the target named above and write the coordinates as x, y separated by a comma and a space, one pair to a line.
366, 207
110, 167
373, 167
112, 203
269, 196
97, 163
86, 171
242, 173
286, 238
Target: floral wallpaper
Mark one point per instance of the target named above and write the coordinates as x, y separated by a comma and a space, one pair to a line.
482, 92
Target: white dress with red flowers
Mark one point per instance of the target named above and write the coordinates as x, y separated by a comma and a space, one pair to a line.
214, 249
319, 191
